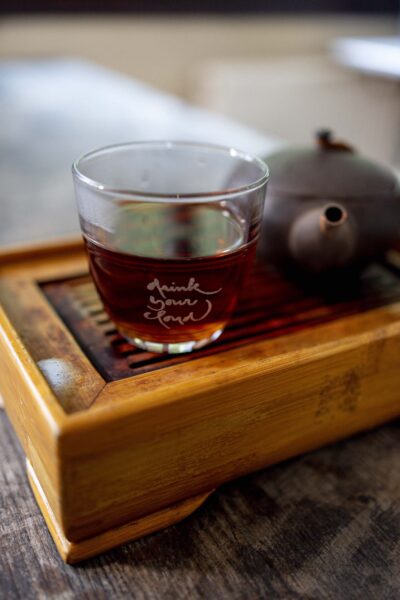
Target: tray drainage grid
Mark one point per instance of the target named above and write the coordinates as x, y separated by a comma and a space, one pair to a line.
270, 306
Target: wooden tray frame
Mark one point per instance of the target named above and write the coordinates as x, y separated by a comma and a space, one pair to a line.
110, 462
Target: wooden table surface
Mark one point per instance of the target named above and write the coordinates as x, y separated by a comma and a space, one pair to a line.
322, 526
53, 111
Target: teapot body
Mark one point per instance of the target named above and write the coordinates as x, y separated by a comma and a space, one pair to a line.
372, 227
328, 208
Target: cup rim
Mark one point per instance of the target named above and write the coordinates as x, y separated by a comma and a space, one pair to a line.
211, 196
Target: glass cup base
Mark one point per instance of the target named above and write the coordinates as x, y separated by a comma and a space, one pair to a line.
169, 348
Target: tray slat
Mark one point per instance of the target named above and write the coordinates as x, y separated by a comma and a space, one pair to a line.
270, 306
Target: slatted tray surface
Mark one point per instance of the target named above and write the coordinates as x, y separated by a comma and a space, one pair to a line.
270, 305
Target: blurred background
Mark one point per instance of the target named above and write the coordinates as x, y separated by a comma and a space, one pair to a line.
275, 71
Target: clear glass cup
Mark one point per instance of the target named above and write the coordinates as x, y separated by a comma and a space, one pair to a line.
170, 230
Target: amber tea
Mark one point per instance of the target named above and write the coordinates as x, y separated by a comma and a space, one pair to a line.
171, 277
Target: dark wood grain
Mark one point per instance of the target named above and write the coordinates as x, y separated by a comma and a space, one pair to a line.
323, 526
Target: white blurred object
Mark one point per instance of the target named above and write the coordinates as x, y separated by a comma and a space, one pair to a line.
379, 56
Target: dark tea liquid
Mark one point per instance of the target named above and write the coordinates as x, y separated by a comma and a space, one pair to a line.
173, 275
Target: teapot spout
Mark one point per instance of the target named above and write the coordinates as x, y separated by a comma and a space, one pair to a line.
333, 216
322, 238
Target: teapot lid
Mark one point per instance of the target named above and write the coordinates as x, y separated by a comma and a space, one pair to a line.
331, 169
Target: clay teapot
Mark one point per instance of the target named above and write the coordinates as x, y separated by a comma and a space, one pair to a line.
328, 208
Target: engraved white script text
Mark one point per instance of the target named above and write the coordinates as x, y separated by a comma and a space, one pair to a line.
158, 305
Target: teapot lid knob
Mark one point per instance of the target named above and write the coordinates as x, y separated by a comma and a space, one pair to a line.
325, 141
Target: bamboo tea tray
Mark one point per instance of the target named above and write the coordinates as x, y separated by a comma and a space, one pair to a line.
120, 442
